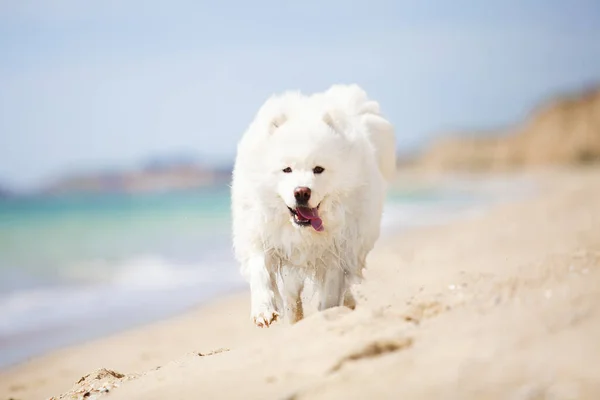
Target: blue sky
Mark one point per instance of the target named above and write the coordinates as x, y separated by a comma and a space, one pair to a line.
94, 84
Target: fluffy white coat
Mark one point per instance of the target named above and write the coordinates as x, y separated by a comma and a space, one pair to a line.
343, 132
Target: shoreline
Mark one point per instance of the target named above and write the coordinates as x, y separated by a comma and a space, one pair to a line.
41, 341
54, 337
223, 323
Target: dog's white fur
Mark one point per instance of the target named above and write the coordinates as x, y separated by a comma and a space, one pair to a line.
342, 131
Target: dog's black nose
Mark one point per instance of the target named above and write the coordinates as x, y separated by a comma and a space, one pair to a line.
302, 194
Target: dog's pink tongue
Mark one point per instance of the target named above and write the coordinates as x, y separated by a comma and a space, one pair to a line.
311, 214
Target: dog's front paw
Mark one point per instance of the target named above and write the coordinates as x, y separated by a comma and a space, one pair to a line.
264, 318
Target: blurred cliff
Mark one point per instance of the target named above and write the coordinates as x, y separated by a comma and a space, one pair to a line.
156, 175
562, 131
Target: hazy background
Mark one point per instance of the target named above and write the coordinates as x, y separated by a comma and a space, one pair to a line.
99, 84
114, 116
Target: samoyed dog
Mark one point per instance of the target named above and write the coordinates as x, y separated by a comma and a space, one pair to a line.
308, 189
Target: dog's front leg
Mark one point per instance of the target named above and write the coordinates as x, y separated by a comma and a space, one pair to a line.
332, 288
263, 292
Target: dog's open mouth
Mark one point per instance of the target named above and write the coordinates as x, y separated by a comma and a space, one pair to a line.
304, 216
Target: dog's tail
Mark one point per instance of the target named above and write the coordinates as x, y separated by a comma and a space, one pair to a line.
355, 102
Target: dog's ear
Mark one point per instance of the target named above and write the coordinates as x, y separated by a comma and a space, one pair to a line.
370, 107
335, 120
277, 122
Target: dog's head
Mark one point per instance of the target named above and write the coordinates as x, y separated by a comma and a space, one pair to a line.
312, 165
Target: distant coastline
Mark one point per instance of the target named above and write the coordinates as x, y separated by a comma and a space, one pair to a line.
5, 193
155, 176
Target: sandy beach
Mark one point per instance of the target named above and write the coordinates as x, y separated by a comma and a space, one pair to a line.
504, 305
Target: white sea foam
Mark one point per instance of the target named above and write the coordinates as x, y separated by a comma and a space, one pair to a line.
144, 287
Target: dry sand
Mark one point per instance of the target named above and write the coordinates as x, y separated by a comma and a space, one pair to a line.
504, 305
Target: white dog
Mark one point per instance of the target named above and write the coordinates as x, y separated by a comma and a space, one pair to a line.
307, 197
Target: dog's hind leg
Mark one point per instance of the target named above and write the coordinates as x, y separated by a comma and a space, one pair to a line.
332, 288
263, 292
293, 284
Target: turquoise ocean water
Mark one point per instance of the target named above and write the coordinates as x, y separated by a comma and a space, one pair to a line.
77, 267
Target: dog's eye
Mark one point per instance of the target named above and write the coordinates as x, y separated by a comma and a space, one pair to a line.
318, 170
287, 170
